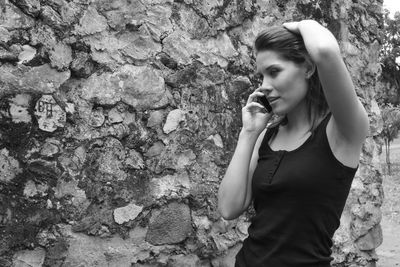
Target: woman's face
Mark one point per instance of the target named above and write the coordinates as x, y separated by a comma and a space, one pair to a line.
284, 81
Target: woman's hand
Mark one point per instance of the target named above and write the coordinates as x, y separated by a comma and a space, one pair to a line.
254, 115
292, 26
317, 39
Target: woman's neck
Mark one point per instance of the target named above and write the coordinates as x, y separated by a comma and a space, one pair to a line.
298, 119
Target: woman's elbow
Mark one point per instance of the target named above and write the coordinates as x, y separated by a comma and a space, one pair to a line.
228, 211
228, 215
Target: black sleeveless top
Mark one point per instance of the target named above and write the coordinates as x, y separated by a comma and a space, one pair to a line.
299, 197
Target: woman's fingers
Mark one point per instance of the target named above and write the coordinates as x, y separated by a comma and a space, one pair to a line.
292, 26
253, 96
255, 107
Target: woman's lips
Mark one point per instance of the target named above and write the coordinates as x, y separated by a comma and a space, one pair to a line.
272, 99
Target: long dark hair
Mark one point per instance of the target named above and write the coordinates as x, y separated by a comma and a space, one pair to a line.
291, 47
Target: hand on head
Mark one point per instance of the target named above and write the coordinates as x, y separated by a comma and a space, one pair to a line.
292, 26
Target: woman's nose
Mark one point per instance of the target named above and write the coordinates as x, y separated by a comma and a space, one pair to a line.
265, 88
266, 85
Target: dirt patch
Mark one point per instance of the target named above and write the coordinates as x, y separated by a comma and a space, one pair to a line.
389, 251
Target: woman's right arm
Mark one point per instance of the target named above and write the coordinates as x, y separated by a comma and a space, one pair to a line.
234, 194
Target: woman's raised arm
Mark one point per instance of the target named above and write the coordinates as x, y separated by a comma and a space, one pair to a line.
350, 120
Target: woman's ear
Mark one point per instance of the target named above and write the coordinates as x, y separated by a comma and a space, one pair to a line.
310, 68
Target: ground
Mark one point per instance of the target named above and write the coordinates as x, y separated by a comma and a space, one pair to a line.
389, 251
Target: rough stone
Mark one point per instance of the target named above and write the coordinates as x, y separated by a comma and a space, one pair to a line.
250, 29
217, 50
56, 252
51, 17
32, 189
56, 4
224, 232
73, 164
171, 186
366, 217
105, 48
102, 89
48, 169
371, 240
175, 117
27, 54
111, 159
70, 12
127, 213
49, 114
184, 261
60, 56
97, 117
5, 36
81, 66
31, 258
115, 116
143, 87
175, 158
201, 222
12, 18
208, 7
9, 166
42, 79
19, 108
8, 56
44, 35
91, 22
31, 7
240, 84
236, 12
139, 47
129, 118
155, 150
118, 130
71, 189
194, 24
182, 48
140, 87
50, 148
134, 160
95, 251
376, 122
217, 139
171, 226
228, 259
156, 21
155, 119
120, 13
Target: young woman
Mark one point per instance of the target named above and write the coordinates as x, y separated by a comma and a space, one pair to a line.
297, 172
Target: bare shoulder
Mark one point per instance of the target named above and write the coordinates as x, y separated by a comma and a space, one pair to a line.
346, 152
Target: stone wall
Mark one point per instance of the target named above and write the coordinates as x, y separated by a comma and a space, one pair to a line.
119, 118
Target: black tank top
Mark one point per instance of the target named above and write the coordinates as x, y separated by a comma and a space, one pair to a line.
299, 197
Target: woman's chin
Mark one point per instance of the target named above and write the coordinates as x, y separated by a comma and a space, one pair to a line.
279, 112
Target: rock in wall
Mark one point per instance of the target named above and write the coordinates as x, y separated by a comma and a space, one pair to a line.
119, 118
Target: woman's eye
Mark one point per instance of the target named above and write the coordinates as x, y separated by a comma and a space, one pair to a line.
273, 72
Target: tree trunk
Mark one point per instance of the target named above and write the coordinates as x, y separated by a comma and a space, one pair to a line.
387, 147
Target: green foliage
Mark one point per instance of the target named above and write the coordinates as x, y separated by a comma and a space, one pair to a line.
391, 128
390, 51
391, 122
